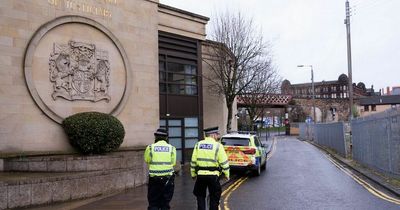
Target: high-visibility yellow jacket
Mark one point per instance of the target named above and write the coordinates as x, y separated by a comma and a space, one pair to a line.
161, 158
209, 158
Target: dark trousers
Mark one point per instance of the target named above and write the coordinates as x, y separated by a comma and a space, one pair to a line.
160, 192
200, 190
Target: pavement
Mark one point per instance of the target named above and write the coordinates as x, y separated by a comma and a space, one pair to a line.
134, 199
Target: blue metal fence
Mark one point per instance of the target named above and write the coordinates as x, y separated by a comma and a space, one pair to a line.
331, 135
305, 131
376, 141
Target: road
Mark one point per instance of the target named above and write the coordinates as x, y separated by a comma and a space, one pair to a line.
299, 176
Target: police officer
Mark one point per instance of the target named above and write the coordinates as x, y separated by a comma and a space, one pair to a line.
161, 159
208, 161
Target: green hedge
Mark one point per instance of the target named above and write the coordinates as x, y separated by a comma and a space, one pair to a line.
94, 132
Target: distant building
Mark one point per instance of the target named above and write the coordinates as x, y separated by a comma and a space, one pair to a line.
375, 104
331, 97
395, 91
336, 89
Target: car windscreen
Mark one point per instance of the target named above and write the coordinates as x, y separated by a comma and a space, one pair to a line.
235, 141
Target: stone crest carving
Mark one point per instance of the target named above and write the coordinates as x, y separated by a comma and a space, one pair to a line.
79, 71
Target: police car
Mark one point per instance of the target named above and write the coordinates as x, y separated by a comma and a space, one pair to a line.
245, 151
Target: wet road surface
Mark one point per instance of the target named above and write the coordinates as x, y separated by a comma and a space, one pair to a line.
299, 176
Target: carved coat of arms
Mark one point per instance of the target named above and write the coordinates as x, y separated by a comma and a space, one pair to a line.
79, 71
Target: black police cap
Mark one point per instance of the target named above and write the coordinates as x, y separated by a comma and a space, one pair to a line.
161, 132
211, 130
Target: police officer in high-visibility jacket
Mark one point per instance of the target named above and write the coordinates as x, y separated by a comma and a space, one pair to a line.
209, 161
161, 159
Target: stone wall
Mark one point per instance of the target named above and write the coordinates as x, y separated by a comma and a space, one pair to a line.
324, 106
24, 126
73, 163
30, 189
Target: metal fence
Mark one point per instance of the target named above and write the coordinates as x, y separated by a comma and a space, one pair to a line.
305, 131
331, 135
376, 141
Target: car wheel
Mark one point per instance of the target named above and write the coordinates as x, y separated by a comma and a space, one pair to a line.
264, 166
257, 171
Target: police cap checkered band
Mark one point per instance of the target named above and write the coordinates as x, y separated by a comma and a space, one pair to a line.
161, 132
211, 130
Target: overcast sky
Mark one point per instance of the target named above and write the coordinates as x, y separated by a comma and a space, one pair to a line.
313, 32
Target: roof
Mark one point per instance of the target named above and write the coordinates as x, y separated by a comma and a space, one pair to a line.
184, 12
380, 100
237, 135
316, 83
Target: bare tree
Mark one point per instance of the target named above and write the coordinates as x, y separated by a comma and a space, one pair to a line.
297, 113
255, 96
236, 54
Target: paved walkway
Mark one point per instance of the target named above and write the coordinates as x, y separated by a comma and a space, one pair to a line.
137, 198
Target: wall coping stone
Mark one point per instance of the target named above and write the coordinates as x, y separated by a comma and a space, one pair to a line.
74, 163
27, 154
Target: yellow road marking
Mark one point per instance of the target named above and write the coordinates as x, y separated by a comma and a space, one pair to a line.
226, 207
272, 150
238, 182
363, 183
231, 186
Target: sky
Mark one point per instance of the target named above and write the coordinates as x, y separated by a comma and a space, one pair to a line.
312, 32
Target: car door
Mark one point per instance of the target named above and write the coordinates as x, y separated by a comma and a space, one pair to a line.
260, 149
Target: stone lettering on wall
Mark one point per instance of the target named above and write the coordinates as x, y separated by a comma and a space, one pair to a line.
85, 6
79, 71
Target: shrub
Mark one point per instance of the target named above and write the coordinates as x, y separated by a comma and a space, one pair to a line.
94, 132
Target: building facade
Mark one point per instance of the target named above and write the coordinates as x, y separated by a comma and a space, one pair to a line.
335, 89
180, 91
331, 98
138, 60
391, 91
376, 104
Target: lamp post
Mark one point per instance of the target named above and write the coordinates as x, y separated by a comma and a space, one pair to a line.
312, 88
